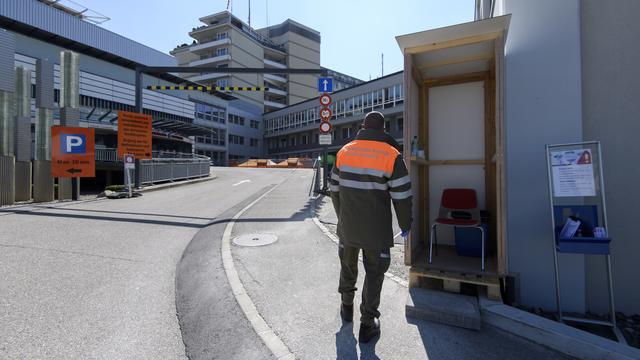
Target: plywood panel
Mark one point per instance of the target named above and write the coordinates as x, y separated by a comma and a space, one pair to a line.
456, 122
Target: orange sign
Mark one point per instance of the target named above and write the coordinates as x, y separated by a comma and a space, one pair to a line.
134, 134
72, 152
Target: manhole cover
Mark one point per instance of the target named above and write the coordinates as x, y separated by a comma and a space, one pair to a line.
255, 239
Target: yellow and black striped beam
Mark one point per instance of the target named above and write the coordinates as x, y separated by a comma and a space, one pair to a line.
207, 88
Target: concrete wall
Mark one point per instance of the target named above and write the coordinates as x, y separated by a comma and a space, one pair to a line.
543, 106
610, 111
301, 53
249, 113
245, 52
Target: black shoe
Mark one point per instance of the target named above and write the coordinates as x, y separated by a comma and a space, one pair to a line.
369, 331
346, 312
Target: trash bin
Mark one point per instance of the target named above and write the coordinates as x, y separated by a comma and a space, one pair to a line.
469, 240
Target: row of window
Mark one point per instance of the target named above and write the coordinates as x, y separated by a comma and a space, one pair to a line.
355, 105
217, 138
347, 132
210, 113
239, 120
239, 140
235, 139
236, 119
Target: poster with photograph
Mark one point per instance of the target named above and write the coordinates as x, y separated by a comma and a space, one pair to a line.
572, 172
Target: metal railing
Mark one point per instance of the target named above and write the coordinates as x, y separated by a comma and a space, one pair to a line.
159, 170
164, 165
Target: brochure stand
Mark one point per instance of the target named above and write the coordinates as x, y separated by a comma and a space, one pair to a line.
576, 196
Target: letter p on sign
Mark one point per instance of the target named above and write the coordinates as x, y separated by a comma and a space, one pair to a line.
73, 144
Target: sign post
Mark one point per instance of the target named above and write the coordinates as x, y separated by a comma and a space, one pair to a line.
134, 137
129, 165
325, 86
579, 213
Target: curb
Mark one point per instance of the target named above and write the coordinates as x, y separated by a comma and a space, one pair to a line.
264, 331
176, 184
554, 335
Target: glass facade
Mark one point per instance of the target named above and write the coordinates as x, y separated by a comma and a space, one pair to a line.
379, 99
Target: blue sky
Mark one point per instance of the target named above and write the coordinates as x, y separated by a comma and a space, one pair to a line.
354, 32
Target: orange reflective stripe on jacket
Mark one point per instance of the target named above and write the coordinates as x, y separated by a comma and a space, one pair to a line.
368, 154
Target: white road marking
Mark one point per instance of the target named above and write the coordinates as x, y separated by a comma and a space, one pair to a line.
241, 182
398, 234
279, 350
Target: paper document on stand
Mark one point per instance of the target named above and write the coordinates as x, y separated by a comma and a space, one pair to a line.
572, 172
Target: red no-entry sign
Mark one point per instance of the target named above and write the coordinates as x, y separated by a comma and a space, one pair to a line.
325, 99
325, 114
325, 127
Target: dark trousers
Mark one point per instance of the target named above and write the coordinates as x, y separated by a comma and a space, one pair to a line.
376, 263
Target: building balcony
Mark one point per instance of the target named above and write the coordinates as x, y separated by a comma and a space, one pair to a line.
275, 79
276, 91
210, 76
205, 31
275, 64
199, 48
211, 60
274, 104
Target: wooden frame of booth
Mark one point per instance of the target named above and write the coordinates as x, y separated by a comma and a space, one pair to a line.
458, 54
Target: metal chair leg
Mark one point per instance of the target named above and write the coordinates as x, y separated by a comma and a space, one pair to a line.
435, 238
431, 237
482, 236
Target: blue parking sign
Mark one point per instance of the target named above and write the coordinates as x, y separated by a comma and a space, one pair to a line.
73, 144
325, 84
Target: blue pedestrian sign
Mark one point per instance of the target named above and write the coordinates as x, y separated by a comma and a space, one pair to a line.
325, 84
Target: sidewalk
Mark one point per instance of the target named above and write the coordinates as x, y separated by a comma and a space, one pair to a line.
293, 284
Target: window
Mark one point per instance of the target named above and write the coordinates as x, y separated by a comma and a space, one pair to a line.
222, 51
253, 142
305, 140
400, 122
316, 138
346, 132
254, 124
235, 119
210, 113
222, 82
222, 66
222, 35
235, 139
387, 126
283, 142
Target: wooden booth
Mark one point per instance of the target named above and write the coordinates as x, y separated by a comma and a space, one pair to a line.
454, 107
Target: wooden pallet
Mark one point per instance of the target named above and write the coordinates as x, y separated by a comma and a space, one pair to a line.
452, 281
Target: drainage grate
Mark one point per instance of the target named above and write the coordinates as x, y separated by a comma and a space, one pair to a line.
255, 239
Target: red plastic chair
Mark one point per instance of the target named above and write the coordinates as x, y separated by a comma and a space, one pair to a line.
458, 207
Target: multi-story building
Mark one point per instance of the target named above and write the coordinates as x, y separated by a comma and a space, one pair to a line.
226, 41
340, 80
293, 131
39, 31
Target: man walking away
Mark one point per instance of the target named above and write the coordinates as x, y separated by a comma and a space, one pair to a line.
368, 176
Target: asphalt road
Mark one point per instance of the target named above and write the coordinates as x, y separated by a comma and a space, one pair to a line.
293, 283
96, 279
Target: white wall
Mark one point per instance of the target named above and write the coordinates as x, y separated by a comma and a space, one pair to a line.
543, 106
456, 132
611, 112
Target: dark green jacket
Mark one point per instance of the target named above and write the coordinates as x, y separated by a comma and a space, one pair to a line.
368, 177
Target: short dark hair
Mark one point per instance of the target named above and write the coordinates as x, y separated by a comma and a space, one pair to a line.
374, 121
